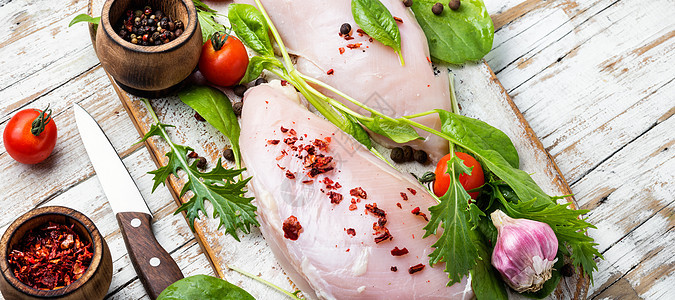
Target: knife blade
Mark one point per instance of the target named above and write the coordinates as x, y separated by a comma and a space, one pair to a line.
154, 266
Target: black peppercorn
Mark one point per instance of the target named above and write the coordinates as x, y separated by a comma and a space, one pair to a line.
397, 155
228, 154
567, 270
172, 26
178, 32
259, 81
407, 153
236, 107
179, 24
345, 29
437, 9
454, 4
421, 156
407, 3
201, 163
150, 22
239, 90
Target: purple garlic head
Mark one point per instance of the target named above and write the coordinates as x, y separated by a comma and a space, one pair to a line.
524, 253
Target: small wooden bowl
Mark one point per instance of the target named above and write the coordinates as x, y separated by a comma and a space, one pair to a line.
149, 70
94, 282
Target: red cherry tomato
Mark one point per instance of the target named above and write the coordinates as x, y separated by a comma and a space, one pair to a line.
469, 182
223, 60
30, 136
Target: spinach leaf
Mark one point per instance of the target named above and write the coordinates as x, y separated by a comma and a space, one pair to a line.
353, 128
486, 282
256, 66
376, 20
249, 25
84, 18
215, 108
397, 131
456, 36
205, 288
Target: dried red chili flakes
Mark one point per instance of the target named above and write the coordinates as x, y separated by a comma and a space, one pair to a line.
399, 205
193, 154
353, 207
292, 228
342, 50
292, 132
280, 167
290, 140
404, 196
358, 192
50, 256
416, 268
354, 46
273, 142
412, 191
399, 252
397, 19
337, 185
330, 72
383, 237
323, 146
284, 83
328, 181
335, 198
318, 164
416, 211
351, 231
283, 130
308, 181
290, 175
360, 32
372, 208
393, 268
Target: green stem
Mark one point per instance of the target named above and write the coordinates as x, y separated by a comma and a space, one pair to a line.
277, 37
400, 57
263, 281
422, 114
454, 104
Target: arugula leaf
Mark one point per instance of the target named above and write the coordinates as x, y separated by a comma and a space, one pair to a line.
486, 282
397, 131
214, 106
376, 20
456, 36
455, 246
205, 288
249, 25
206, 16
217, 186
84, 18
256, 65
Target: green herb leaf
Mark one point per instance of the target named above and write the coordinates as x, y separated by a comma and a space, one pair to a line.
201, 6
353, 128
397, 131
376, 20
84, 18
250, 26
455, 246
486, 281
206, 16
205, 288
456, 36
256, 66
214, 106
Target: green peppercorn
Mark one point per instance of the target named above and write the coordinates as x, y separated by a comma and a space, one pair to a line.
397, 155
454, 4
239, 90
421, 156
236, 107
407, 153
407, 3
437, 9
228, 154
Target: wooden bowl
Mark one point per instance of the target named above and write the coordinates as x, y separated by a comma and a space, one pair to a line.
149, 70
94, 282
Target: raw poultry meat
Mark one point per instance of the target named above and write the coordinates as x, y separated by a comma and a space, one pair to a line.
339, 220
371, 72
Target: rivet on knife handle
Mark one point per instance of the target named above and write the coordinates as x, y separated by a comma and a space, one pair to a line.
154, 266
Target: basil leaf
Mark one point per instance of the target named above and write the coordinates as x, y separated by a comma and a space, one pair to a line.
204, 287
397, 132
376, 20
251, 28
84, 18
486, 281
256, 65
353, 128
215, 108
456, 36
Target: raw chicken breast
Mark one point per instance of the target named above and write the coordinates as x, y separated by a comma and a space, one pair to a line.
370, 73
353, 208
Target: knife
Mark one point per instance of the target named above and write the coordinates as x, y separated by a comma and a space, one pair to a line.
154, 266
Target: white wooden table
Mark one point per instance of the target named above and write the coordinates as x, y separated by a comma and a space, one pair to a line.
593, 78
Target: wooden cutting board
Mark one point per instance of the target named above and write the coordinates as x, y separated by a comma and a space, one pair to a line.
480, 95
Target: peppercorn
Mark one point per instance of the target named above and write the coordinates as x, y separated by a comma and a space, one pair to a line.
259, 81
236, 107
407, 153
172, 26
454, 4
138, 13
567, 270
179, 24
147, 11
178, 32
201, 163
397, 155
421, 156
345, 29
407, 3
159, 14
164, 23
134, 41
155, 36
228, 154
239, 90
437, 9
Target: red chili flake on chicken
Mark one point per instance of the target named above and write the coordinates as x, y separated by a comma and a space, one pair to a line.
330, 72
393, 268
370, 40
323, 146
290, 175
416, 268
404, 196
342, 50
351, 231
284, 83
193, 155
429, 60
307, 181
381, 238
399, 205
292, 132
416, 211
399, 252
318, 164
358, 192
280, 167
412, 191
361, 32
354, 46
337, 185
335, 198
372, 208
290, 140
273, 142
397, 19
353, 207
283, 130
291, 228
347, 38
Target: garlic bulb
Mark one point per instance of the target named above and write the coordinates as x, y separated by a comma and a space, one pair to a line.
524, 253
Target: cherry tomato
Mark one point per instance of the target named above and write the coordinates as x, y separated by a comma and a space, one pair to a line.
223, 60
30, 136
469, 182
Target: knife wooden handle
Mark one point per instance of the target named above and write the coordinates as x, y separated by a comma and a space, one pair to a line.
154, 266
